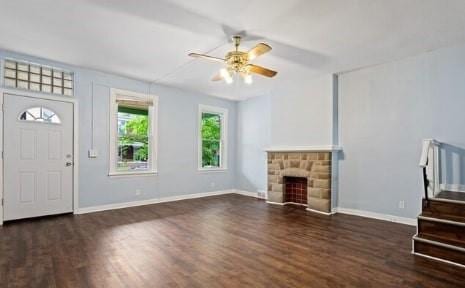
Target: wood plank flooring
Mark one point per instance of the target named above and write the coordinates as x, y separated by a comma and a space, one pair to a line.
221, 241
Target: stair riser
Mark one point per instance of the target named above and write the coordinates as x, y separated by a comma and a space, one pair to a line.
439, 252
443, 230
444, 208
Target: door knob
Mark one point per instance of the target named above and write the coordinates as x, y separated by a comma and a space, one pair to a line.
69, 163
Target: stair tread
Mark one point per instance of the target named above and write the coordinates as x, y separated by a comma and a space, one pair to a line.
443, 240
451, 195
443, 216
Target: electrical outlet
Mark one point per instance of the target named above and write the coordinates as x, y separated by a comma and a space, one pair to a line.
138, 192
401, 204
212, 184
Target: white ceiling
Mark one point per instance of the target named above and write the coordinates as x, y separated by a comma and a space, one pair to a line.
150, 39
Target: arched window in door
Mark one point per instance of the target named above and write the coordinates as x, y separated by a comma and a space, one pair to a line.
40, 114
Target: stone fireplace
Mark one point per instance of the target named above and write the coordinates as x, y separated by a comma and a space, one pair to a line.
302, 178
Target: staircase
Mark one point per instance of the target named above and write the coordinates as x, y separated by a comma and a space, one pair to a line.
441, 224
441, 230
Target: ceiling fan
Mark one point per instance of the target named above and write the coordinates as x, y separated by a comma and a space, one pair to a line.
237, 62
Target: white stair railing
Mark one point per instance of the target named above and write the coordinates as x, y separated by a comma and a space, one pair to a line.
430, 160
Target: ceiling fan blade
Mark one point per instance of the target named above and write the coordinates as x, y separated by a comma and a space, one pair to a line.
261, 70
203, 56
217, 77
259, 49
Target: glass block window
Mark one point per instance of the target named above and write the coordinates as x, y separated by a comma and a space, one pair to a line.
37, 78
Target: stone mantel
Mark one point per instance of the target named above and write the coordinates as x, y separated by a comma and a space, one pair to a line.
323, 148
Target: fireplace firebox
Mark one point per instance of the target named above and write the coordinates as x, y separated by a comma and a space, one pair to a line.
295, 190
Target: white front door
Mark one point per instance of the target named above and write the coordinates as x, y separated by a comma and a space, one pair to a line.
38, 157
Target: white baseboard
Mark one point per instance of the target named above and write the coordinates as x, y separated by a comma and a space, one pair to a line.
152, 201
275, 203
379, 216
453, 187
246, 193
321, 212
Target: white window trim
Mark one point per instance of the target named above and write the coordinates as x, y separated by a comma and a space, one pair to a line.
224, 138
153, 133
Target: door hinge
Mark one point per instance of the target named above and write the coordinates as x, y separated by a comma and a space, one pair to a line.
2, 201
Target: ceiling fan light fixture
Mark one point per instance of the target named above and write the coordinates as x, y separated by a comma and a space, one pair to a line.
224, 73
226, 76
248, 79
237, 63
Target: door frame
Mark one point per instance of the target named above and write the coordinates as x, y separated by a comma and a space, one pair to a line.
68, 99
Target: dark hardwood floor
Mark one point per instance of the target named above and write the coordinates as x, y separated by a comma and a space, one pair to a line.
222, 241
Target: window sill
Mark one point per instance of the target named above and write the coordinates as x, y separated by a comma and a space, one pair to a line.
213, 170
132, 174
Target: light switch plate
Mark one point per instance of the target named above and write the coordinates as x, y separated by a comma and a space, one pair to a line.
93, 153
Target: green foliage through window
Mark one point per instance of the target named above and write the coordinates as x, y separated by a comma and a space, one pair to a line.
133, 140
211, 140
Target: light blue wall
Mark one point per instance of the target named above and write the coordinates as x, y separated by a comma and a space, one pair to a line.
385, 112
254, 125
293, 114
177, 158
301, 112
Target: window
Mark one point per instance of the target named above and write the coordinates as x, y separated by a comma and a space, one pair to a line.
38, 78
39, 114
133, 134
212, 138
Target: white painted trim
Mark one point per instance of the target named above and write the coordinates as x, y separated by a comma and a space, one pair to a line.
152, 201
446, 200
453, 187
425, 161
440, 244
320, 212
246, 193
76, 156
427, 144
275, 203
439, 220
1, 153
133, 174
286, 203
436, 169
153, 135
438, 259
32, 94
61, 98
224, 138
379, 216
212, 170
324, 148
